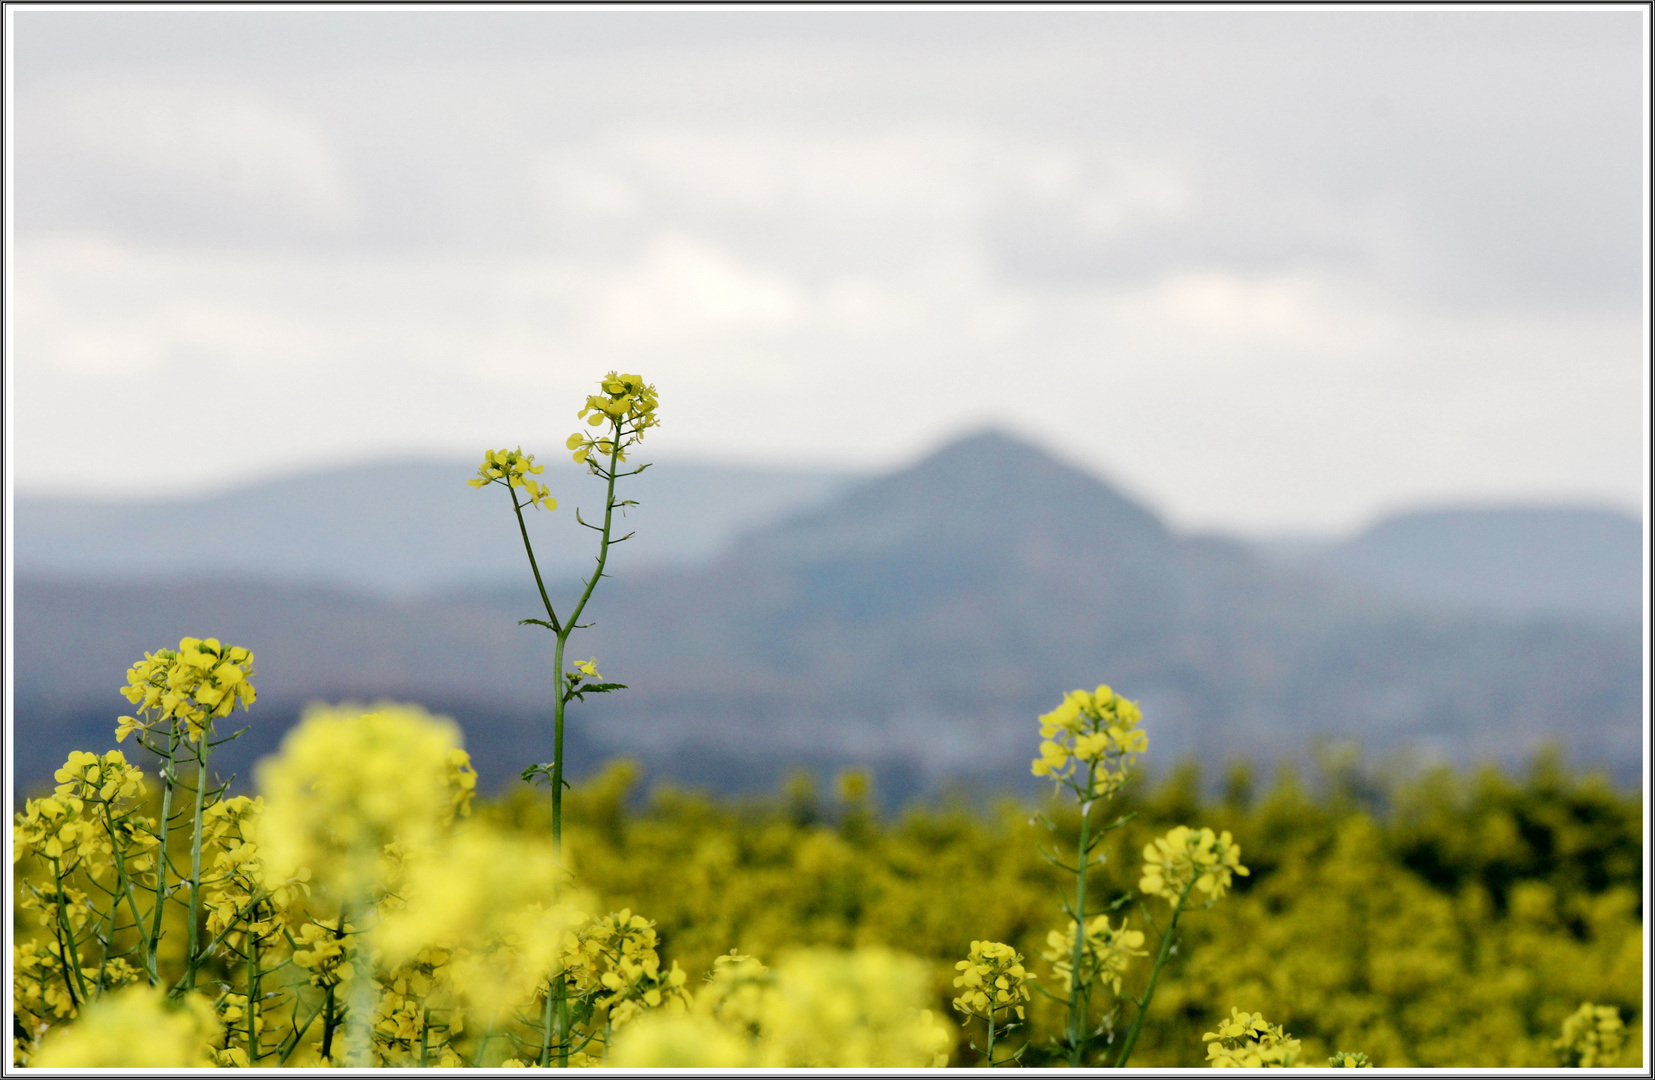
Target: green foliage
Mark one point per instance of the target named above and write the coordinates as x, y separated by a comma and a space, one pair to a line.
1458, 928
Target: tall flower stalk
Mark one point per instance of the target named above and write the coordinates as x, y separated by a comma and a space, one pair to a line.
620, 414
1090, 742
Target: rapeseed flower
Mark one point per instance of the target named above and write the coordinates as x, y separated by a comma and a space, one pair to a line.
1105, 954
1248, 1041
134, 1028
514, 469
994, 979
1592, 1037
627, 406
1090, 741
348, 784
201, 681
1184, 855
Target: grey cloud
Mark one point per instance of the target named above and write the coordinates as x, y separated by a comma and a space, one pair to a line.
1464, 157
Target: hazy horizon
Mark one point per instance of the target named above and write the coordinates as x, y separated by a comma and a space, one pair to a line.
853, 473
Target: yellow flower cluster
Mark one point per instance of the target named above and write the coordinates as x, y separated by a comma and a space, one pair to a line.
1185, 856
57, 828
348, 784
1090, 741
200, 682
819, 1009
994, 979
1105, 954
1248, 1041
627, 405
1592, 1037
135, 1028
320, 950
614, 961
514, 469
99, 779
240, 898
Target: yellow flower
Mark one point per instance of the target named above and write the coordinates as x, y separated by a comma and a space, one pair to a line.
1104, 957
348, 784
1185, 856
859, 1010
514, 469
1090, 741
202, 681
626, 406
993, 978
680, 1041
1592, 1037
1247, 1041
134, 1028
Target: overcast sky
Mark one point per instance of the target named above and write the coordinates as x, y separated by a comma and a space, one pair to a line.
1269, 271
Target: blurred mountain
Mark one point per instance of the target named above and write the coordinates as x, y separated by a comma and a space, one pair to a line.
1584, 562
400, 528
915, 622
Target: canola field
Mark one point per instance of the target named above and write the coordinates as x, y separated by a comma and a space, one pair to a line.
1465, 925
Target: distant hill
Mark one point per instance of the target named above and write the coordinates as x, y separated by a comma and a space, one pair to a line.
400, 528
915, 622
404, 529
1559, 560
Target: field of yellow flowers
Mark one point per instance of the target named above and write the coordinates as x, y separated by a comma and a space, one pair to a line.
1464, 926
364, 908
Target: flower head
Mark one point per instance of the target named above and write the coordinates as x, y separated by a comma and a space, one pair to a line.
1592, 1037
626, 406
136, 1027
1248, 1041
1104, 957
350, 787
993, 979
1185, 856
202, 681
514, 469
1090, 741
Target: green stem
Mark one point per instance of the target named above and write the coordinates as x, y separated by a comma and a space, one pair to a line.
1079, 997
359, 1017
330, 1022
482, 1045
291, 1042
557, 745
169, 777
252, 997
1161, 956
523, 529
125, 886
546, 1013
68, 951
564, 1035
991, 1025
568, 628
201, 752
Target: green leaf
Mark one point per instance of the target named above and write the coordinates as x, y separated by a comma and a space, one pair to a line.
536, 622
594, 688
533, 773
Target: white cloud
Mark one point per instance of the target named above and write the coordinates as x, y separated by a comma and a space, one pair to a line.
1240, 289
211, 151
685, 287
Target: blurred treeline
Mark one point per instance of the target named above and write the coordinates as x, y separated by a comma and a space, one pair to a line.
1449, 919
